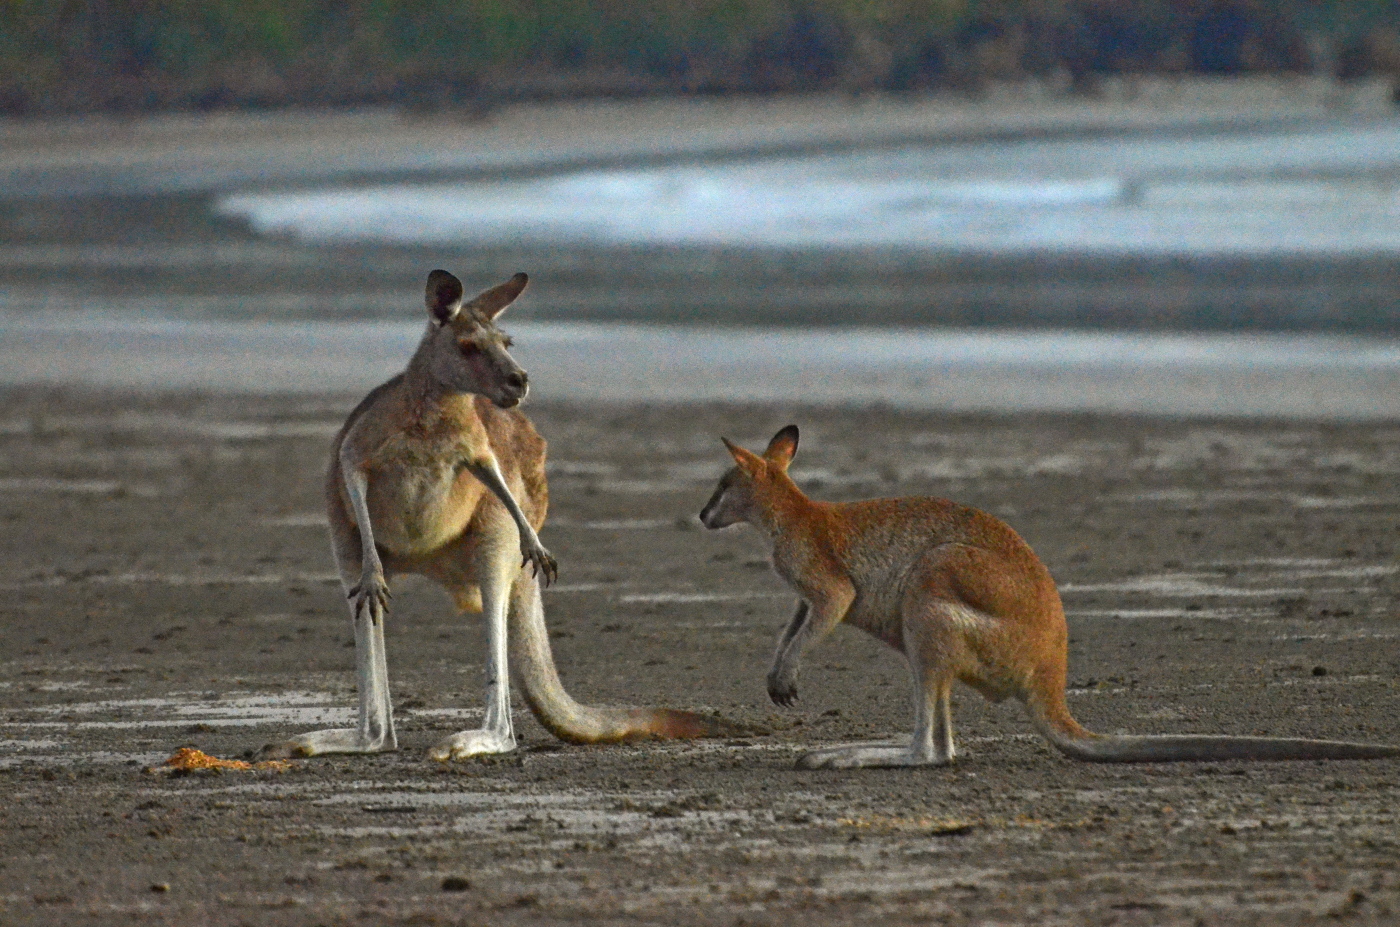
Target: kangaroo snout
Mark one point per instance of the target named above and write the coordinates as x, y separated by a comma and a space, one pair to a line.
712, 515
515, 386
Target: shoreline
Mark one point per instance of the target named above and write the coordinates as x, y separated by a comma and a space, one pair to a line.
1174, 376
1219, 511
159, 253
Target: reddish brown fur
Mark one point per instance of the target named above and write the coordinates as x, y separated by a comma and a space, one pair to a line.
969, 557
956, 590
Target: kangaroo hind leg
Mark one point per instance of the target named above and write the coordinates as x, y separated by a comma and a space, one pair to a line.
931, 745
926, 645
374, 729
497, 569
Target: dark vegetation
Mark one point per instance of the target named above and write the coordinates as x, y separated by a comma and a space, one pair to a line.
73, 56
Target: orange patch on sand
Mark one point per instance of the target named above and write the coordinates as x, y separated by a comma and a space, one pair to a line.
188, 759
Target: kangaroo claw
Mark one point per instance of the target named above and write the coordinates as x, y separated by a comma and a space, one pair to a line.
782, 692
542, 564
372, 593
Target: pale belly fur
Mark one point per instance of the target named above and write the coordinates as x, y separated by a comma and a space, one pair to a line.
876, 610
416, 510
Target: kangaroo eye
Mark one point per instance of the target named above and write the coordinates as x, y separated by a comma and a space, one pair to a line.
468, 348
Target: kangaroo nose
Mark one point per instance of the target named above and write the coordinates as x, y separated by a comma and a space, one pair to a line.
518, 380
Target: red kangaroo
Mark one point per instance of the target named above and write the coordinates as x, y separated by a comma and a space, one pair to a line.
961, 595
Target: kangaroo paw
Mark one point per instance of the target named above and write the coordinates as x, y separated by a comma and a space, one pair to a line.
371, 593
541, 563
782, 689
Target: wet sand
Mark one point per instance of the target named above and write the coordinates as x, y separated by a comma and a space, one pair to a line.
169, 584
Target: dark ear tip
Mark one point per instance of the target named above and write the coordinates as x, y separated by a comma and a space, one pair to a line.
783, 445
443, 295
520, 279
441, 281
440, 277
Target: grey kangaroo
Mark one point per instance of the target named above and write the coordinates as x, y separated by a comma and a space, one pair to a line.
436, 472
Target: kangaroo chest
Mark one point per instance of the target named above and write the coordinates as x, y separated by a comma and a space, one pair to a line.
878, 604
876, 562
420, 496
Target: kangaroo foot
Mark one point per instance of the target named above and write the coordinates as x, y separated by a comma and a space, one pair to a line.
859, 756
466, 744
318, 743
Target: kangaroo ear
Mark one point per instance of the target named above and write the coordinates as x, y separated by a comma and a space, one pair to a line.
494, 301
748, 461
783, 446
444, 296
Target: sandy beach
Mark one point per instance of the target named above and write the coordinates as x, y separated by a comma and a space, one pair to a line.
1219, 508
189, 153
169, 585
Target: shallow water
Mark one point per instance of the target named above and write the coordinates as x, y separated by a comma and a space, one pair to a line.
1314, 191
1309, 377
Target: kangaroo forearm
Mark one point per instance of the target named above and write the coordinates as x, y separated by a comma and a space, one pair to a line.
490, 476
818, 620
357, 487
785, 657
822, 617
533, 553
798, 620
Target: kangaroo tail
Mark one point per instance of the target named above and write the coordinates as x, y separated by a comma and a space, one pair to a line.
1067, 736
532, 665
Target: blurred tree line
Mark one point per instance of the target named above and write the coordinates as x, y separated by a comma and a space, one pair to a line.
132, 55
